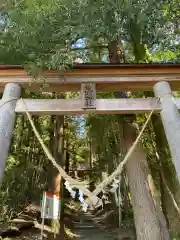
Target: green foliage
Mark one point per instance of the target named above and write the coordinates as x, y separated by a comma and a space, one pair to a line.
104, 131
39, 34
25, 177
42, 33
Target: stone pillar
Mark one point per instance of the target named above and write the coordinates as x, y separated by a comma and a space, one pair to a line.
7, 120
171, 121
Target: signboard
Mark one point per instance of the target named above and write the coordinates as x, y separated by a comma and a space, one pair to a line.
88, 91
50, 206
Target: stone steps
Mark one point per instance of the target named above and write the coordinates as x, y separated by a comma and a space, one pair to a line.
86, 229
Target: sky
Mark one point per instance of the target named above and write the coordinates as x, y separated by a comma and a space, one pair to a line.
80, 43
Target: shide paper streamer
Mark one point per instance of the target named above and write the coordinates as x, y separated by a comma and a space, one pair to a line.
81, 196
114, 185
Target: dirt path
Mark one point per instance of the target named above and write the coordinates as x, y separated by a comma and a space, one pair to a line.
87, 229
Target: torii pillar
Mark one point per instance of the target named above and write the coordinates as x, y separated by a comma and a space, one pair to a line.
11, 93
171, 121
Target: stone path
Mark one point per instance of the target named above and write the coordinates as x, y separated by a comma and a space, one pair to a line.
86, 229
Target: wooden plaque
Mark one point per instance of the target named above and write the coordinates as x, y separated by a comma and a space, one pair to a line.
88, 93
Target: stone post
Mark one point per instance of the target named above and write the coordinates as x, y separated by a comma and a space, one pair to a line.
171, 121
7, 120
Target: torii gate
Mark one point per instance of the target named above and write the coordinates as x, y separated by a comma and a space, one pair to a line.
89, 78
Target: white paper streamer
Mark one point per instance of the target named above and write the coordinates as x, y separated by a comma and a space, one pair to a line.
73, 194
85, 207
105, 198
81, 196
70, 190
114, 185
81, 199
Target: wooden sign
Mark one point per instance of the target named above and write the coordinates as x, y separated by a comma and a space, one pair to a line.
88, 92
50, 208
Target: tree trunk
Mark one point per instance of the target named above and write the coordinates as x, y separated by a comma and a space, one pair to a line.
126, 204
147, 220
91, 182
67, 163
57, 181
116, 53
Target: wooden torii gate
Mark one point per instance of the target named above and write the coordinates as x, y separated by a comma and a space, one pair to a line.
89, 78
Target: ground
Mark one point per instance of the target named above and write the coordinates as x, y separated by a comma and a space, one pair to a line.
79, 226
87, 229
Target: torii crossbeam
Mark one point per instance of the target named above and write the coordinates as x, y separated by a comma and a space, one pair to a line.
107, 77
89, 78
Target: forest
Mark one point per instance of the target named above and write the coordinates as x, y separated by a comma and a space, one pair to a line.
56, 35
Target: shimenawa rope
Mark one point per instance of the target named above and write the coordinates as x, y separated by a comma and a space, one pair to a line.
92, 196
